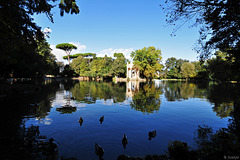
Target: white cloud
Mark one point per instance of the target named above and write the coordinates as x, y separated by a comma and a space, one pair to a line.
47, 121
110, 52
80, 47
47, 30
60, 53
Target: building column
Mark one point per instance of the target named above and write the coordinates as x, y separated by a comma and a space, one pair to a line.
130, 73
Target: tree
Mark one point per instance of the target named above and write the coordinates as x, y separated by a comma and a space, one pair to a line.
47, 60
147, 60
86, 55
201, 69
119, 65
173, 67
67, 48
99, 67
20, 34
219, 25
80, 65
188, 70
220, 67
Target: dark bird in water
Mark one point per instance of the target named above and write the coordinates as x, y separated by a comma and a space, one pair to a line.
72, 98
152, 134
101, 119
99, 150
80, 121
124, 141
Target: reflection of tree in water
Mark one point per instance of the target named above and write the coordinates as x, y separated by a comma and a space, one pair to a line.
172, 90
67, 108
29, 144
147, 100
40, 110
41, 104
225, 142
177, 91
234, 125
18, 107
89, 92
223, 110
221, 95
119, 92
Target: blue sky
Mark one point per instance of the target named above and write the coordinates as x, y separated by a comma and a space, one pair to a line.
107, 26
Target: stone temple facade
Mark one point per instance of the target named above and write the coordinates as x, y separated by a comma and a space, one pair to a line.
132, 72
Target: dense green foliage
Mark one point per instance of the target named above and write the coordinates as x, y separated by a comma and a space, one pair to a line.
86, 55
80, 65
219, 26
96, 67
119, 65
21, 36
219, 68
187, 70
147, 60
173, 67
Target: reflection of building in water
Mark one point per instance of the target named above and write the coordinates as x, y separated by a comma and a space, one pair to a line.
132, 72
132, 87
159, 83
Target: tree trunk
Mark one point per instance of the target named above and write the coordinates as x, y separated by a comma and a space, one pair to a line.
68, 60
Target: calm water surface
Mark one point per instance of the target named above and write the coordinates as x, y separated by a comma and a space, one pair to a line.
173, 109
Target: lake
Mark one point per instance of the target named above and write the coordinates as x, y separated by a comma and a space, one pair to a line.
173, 108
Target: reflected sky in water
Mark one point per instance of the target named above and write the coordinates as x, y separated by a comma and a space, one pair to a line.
173, 109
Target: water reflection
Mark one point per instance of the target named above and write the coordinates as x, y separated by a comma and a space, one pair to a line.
178, 91
89, 92
221, 96
132, 88
144, 97
124, 141
147, 99
66, 109
99, 151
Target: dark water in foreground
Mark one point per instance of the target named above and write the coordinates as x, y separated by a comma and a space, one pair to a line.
173, 109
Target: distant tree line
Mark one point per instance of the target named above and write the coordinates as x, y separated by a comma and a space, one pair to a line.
218, 68
148, 62
88, 65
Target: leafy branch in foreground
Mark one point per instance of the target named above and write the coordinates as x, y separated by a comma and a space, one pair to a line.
218, 19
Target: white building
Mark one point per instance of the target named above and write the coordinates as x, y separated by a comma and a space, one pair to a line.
132, 72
